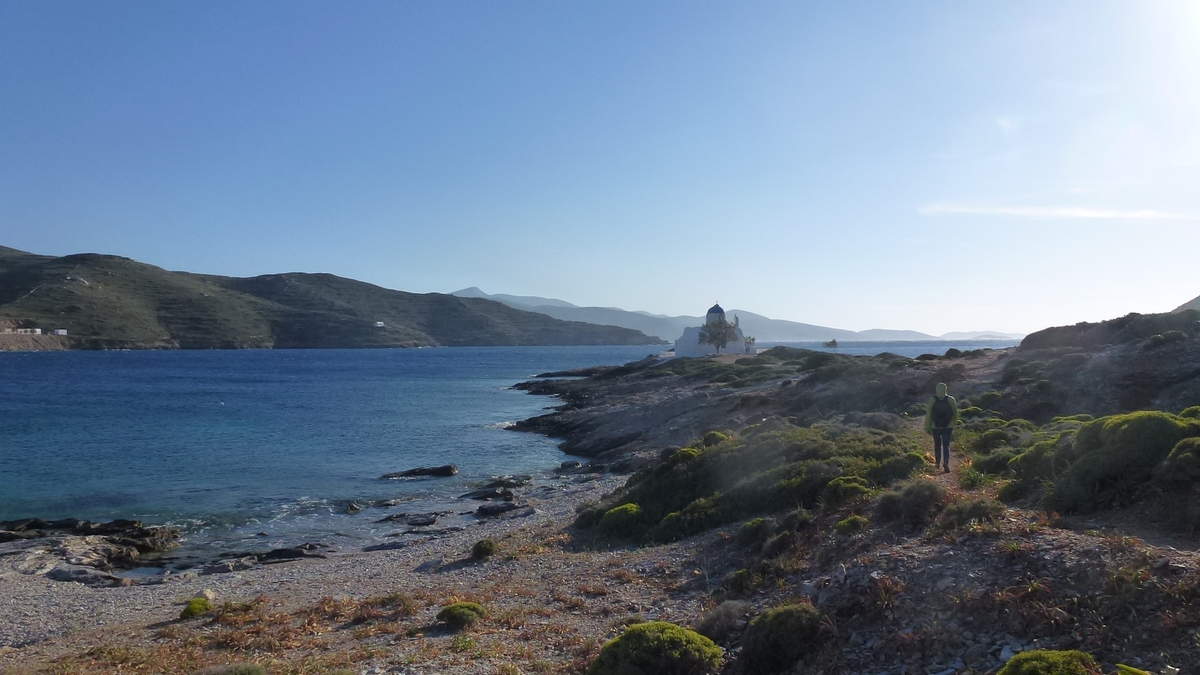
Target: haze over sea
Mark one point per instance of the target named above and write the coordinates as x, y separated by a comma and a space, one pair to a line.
228, 444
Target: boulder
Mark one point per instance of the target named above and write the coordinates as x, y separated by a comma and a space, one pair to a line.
489, 493
444, 470
495, 508
83, 575
422, 519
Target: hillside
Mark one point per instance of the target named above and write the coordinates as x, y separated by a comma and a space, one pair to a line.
107, 301
1194, 303
764, 329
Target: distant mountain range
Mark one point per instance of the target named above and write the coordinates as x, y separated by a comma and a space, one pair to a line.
669, 328
107, 301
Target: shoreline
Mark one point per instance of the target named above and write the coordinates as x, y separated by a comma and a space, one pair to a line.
46, 610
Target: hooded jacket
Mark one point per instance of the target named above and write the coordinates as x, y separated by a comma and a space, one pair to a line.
940, 393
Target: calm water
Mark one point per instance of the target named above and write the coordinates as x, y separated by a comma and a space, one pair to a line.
231, 443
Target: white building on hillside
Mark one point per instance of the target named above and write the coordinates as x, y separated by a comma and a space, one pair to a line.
689, 344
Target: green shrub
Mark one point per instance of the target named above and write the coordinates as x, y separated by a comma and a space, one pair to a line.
753, 532
589, 517
971, 411
725, 621
779, 638
1183, 464
914, 505
1048, 662
742, 581
963, 513
896, 468
971, 479
622, 521
197, 606
1114, 456
658, 647
851, 525
990, 440
779, 544
995, 463
1015, 490
484, 548
800, 518
1191, 412
715, 438
844, 489
461, 615
685, 455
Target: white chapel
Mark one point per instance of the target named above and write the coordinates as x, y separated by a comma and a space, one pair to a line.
689, 344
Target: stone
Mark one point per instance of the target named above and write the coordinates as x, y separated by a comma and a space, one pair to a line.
421, 519
488, 493
386, 546
353, 507
444, 470
208, 594
83, 575
495, 508
228, 565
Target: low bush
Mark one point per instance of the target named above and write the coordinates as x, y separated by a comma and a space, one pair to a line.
1048, 662
725, 621
753, 532
197, 606
622, 521
992, 439
1113, 457
658, 647
1191, 412
896, 468
779, 544
963, 513
798, 519
843, 490
742, 581
851, 525
995, 463
914, 505
483, 549
715, 438
971, 479
461, 615
1183, 463
780, 638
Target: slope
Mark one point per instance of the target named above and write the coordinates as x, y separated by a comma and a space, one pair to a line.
109, 301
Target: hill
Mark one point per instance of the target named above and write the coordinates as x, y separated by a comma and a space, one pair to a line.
764, 329
107, 301
1194, 303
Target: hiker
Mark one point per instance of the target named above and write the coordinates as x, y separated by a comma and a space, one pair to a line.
940, 415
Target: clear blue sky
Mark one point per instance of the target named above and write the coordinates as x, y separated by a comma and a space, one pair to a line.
935, 166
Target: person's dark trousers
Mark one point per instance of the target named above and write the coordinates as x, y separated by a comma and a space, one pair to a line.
941, 446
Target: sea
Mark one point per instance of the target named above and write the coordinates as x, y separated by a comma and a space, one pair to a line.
255, 449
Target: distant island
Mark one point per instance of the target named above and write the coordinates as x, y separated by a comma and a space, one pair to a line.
98, 301
763, 328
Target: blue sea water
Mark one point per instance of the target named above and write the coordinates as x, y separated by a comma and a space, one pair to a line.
258, 448
227, 444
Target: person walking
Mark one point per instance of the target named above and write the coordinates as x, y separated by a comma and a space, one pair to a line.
940, 414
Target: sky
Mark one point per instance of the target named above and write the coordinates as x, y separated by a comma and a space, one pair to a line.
933, 166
